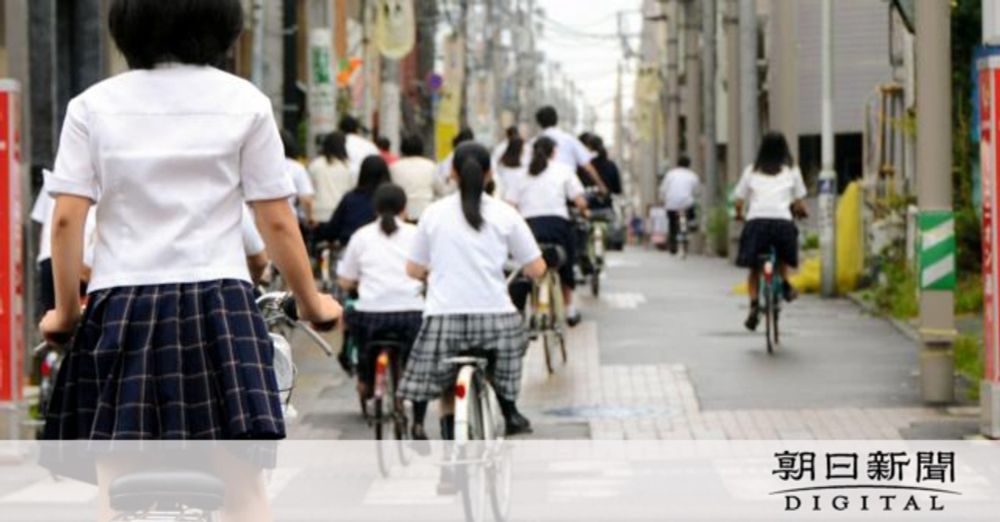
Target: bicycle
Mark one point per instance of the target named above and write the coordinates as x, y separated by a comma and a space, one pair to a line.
769, 298
596, 247
281, 317
546, 313
387, 409
481, 459
50, 357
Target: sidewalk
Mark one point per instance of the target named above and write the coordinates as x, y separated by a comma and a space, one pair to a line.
663, 354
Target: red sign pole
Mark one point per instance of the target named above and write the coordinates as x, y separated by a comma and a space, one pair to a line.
11, 258
989, 110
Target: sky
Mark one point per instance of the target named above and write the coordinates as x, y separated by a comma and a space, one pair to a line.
577, 38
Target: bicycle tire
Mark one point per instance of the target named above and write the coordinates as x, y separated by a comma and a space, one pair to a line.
595, 284
499, 480
562, 347
769, 318
548, 355
471, 477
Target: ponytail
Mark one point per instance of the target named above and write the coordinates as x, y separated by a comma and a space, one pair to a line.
540, 154
471, 185
389, 202
472, 163
387, 222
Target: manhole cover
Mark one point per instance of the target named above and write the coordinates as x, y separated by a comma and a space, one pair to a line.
610, 412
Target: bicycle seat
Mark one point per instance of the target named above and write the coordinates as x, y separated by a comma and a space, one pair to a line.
387, 339
142, 490
554, 255
476, 355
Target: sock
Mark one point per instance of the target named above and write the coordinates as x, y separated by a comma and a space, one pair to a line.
571, 310
419, 412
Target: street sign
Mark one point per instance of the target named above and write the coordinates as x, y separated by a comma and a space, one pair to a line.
989, 102
11, 259
937, 250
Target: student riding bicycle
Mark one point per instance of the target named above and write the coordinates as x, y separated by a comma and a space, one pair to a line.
389, 301
771, 192
463, 242
540, 194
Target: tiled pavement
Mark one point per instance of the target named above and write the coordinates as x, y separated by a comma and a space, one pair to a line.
659, 402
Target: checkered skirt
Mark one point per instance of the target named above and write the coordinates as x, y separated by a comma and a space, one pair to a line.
172, 361
427, 374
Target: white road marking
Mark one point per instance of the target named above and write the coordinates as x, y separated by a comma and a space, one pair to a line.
623, 300
415, 485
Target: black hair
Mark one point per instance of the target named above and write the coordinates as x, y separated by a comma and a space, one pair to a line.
541, 153
195, 32
290, 143
773, 154
374, 172
472, 162
383, 143
335, 147
512, 132
684, 162
412, 145
514, 152
389, 201
547, 117
463, 136
596, 144
349, 125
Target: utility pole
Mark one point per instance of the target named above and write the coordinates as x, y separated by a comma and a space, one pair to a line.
257, 65
673, 89
785, 95
619, 117
827, 175
734, 158
934, 193
748, 82
427, 18
389, 102
692, 78
711, 171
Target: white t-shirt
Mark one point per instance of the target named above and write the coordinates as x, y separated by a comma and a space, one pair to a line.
570, 151
172, 153
303, 185
444, 185
415, 175
378, 263
679, 188
358, 149
331, 182
770, 197
545, 194
253, 243
467, 265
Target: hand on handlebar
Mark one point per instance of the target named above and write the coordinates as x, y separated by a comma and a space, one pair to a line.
58, 328
324, 315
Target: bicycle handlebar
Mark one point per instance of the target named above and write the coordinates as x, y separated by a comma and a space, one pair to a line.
284, 303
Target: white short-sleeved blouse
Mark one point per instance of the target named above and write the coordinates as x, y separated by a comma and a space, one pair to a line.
169, 155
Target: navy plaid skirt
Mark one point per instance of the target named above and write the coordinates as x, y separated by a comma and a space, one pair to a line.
427, 374
761, 235
172, 361
366, 327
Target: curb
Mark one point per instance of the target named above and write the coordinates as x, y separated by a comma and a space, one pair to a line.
903, 327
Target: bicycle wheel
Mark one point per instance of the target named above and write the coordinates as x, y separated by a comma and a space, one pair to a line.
595, 283
399, 420
769, 318
546, 337
471, 475
499, 481
562, 346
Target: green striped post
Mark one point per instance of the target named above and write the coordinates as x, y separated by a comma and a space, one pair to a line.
936, 247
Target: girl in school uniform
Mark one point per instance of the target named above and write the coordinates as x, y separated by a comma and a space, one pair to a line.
540, 194
461, 246
171, 345
389, 301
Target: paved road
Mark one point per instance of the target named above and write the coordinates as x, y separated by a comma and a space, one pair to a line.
832, 356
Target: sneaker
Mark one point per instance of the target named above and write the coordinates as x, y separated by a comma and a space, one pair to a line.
574, 319
753, 320
788, 292
517, 424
